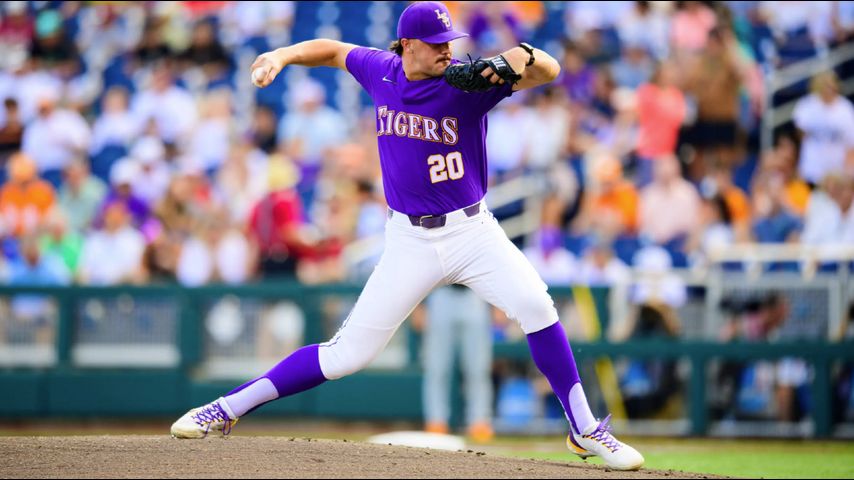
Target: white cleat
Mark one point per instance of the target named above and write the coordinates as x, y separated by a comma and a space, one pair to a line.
597, 440
198, 422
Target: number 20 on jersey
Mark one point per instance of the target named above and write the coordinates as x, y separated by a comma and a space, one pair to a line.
445, 167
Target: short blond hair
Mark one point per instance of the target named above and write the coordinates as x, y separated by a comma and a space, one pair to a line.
827, 78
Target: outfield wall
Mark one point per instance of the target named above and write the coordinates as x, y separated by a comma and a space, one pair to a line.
159, 350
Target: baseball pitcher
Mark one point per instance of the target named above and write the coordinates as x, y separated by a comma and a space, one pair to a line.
431, 127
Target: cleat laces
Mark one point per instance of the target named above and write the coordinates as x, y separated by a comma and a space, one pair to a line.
602, 434
211, 413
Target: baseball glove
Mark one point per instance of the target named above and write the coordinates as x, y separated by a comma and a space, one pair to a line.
467, 76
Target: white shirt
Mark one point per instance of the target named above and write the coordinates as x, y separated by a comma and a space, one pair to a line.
558, 268
174, 112
53, 142
547, 136
108, 258
825, 224
828, 134
324, 128
507, 138
151, 182
116, 128
615, 272
210, 142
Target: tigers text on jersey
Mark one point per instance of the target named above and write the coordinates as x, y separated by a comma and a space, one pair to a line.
431, 136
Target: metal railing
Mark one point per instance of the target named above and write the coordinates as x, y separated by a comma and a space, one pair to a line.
779, 79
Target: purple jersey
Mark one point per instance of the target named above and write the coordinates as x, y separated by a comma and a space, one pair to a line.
431, 136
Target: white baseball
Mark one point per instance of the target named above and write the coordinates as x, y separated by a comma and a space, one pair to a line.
258, 75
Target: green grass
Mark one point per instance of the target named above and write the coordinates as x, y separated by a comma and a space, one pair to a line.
735, 458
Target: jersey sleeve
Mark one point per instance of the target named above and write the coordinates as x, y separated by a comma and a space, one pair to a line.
485, 101
364, 63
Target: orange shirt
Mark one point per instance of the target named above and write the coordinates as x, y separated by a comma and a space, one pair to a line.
621, 200
23, 206
738, 204
797, 197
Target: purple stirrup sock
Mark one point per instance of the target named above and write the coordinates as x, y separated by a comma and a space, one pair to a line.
298, 372
552, 355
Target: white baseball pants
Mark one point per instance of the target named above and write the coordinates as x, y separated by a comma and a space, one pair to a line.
473, 251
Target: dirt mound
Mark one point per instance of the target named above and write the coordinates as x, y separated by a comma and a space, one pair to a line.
135, 456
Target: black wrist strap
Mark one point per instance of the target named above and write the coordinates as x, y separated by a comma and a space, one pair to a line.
530, 51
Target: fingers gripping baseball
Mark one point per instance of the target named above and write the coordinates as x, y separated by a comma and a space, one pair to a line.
264, 70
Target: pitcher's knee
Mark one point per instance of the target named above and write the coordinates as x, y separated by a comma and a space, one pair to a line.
535, 312
337, 360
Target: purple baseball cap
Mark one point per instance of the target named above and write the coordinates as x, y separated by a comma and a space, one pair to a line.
427, 21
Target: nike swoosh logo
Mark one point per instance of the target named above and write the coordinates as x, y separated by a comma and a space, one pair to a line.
389, 81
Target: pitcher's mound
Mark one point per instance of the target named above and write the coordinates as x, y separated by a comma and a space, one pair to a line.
137, 456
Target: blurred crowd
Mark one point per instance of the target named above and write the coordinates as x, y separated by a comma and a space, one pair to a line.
130, 156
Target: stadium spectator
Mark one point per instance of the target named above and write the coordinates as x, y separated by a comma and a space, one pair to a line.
34, 313
124, 242
211, 137
555, 264
80, 196
610, 206
152, 47
276, 223
661, 109
719, 181
576, 76
824, 119
547, 128
205, 59
51, 47
669, 206
11, 132
310, 130
648, 26
17, 29
122, 176
715, 230
371, 217
690, 28
214, 253
263, 130
167, 111
256, 24
779, 166
25, 199
773, 222
714, 79
58, 241
153, 174
599, 267
507, 138
492, 27
35, 268
55, 137
633, 68
830, 218
242, 180
116, 127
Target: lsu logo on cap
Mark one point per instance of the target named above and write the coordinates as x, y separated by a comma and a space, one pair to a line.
443, 16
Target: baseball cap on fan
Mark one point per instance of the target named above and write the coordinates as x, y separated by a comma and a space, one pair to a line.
427, 21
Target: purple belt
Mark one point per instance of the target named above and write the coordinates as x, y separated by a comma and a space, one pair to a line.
436, 221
